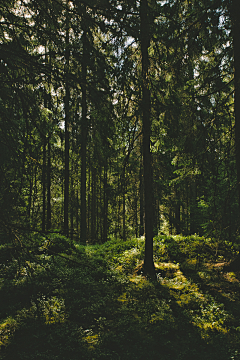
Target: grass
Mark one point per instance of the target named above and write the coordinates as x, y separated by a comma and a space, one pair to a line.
92, 302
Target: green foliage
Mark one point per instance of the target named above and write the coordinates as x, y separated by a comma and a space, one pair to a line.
93, 303
56, 243
192, 115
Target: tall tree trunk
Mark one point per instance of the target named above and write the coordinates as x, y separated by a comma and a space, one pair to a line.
77, 209
124, 207
35, 194
44, 186
98, 203
47, 104
141, 190
49, 184
236, 49
234, 11
30, 195
72, 192
89, 202
83, 229
100, 212
105, 204
155, 207
67, 120
146, 119
187, 208
136, 212
93, 206
119, 206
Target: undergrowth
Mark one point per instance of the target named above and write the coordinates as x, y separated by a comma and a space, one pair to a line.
62, 300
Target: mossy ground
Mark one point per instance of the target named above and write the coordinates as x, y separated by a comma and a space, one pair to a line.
92, 302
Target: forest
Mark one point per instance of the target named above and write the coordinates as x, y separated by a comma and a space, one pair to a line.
119, 179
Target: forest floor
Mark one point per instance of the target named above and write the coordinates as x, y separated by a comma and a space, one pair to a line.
61, 300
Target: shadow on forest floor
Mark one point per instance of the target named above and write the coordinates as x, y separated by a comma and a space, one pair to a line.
98, 307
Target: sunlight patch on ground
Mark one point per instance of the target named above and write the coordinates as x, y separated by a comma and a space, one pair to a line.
123, 297
52, 309
7, 329
203, 312
91, 340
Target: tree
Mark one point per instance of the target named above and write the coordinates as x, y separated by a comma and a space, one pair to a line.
84, 126
146, 120
91, 89
235, 8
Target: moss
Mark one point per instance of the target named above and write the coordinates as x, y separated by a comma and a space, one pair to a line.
100, 304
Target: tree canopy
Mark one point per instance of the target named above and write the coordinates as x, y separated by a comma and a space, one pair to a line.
119, 179
115, 114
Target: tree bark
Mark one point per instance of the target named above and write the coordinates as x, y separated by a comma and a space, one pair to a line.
48, 184
44, 186
236, 49
119, 206
89, 201
93, 206
124, 206
72, 204
67, 120
83, 229
234, 11
135, 224
30, 195
105, 204
149, 269
98, 203
141, 190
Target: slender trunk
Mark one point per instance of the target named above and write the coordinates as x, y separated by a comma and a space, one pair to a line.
35, 194
146, 119
119, 208
236, 49
61, 220
141, 190
66, 179
234, 11
89, 201
83, 229
93, 206
187, 210
67, 120
49, 185
44, 186
155, 209
30, 195
105, 204
77, 210
124, 208
136, 213
48, 105
72, 201
158, 214
98, 199
100, 214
